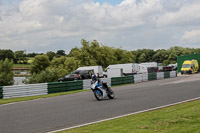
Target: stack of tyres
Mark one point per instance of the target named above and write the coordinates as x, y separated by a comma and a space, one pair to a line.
117, 81
166, 74
128, 79
64, 86
152, 76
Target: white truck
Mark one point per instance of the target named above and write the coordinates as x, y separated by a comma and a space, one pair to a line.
114, 72
98, 70
143, 67
128, 69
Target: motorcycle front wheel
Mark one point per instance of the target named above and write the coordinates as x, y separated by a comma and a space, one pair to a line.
98, 95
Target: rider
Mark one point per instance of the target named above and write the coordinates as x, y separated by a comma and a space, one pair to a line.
96, 78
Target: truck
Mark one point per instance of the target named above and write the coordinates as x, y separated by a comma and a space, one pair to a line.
190, 66
148, 67
98, 70
128, 69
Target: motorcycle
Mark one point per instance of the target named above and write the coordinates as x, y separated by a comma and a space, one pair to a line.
101, 90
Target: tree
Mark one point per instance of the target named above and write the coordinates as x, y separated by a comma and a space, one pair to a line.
7, 53
40, 63
51, 55
6, 74
160, 55
60, 53
20, 57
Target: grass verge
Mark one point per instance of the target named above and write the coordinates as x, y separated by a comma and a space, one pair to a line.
182, 118
21, 99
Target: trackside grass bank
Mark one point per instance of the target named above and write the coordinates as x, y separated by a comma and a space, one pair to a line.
182, 118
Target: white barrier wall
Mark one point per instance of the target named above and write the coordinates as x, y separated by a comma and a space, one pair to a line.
144, 77
24, 90
138, 78
86, 84
173, 74
160, 75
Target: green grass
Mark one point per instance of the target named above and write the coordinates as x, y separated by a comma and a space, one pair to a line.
21, 99
22, 65
182, 118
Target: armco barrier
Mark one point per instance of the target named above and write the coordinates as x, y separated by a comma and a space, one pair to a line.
1, 92
24, 90
64, 86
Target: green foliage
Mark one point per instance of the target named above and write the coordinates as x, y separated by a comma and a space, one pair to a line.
20, 57
60, 53
166, 62
7, 54
6, 74
51, 55
48, 75
40, 63
93, 53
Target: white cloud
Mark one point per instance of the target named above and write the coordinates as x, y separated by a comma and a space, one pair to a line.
191, 36
59, 24
186, 15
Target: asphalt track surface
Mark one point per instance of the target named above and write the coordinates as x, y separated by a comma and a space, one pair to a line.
49, 114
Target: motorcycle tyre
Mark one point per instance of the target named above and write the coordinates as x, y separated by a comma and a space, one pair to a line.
111, 94
99, 97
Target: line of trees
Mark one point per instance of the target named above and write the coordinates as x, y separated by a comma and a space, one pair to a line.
50, 66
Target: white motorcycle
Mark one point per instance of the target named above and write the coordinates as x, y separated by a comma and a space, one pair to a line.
101, 90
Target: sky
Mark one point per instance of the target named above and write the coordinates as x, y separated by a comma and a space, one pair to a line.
51, 25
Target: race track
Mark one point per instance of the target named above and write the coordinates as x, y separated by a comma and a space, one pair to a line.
55, 113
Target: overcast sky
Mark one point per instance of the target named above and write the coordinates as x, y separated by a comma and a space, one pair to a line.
51, 25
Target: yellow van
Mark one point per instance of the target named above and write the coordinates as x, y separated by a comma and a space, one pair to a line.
190, 66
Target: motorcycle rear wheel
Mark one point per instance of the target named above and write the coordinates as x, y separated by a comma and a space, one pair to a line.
111, 94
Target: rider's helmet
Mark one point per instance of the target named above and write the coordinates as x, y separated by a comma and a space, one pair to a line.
94, 77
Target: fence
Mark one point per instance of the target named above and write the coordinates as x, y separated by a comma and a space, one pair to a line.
55, 87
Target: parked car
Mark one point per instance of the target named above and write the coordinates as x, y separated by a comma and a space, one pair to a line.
84, 74
69, 77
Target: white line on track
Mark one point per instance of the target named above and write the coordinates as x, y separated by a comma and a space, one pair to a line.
125, 115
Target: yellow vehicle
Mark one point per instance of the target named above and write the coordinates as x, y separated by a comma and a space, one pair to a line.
190, 66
